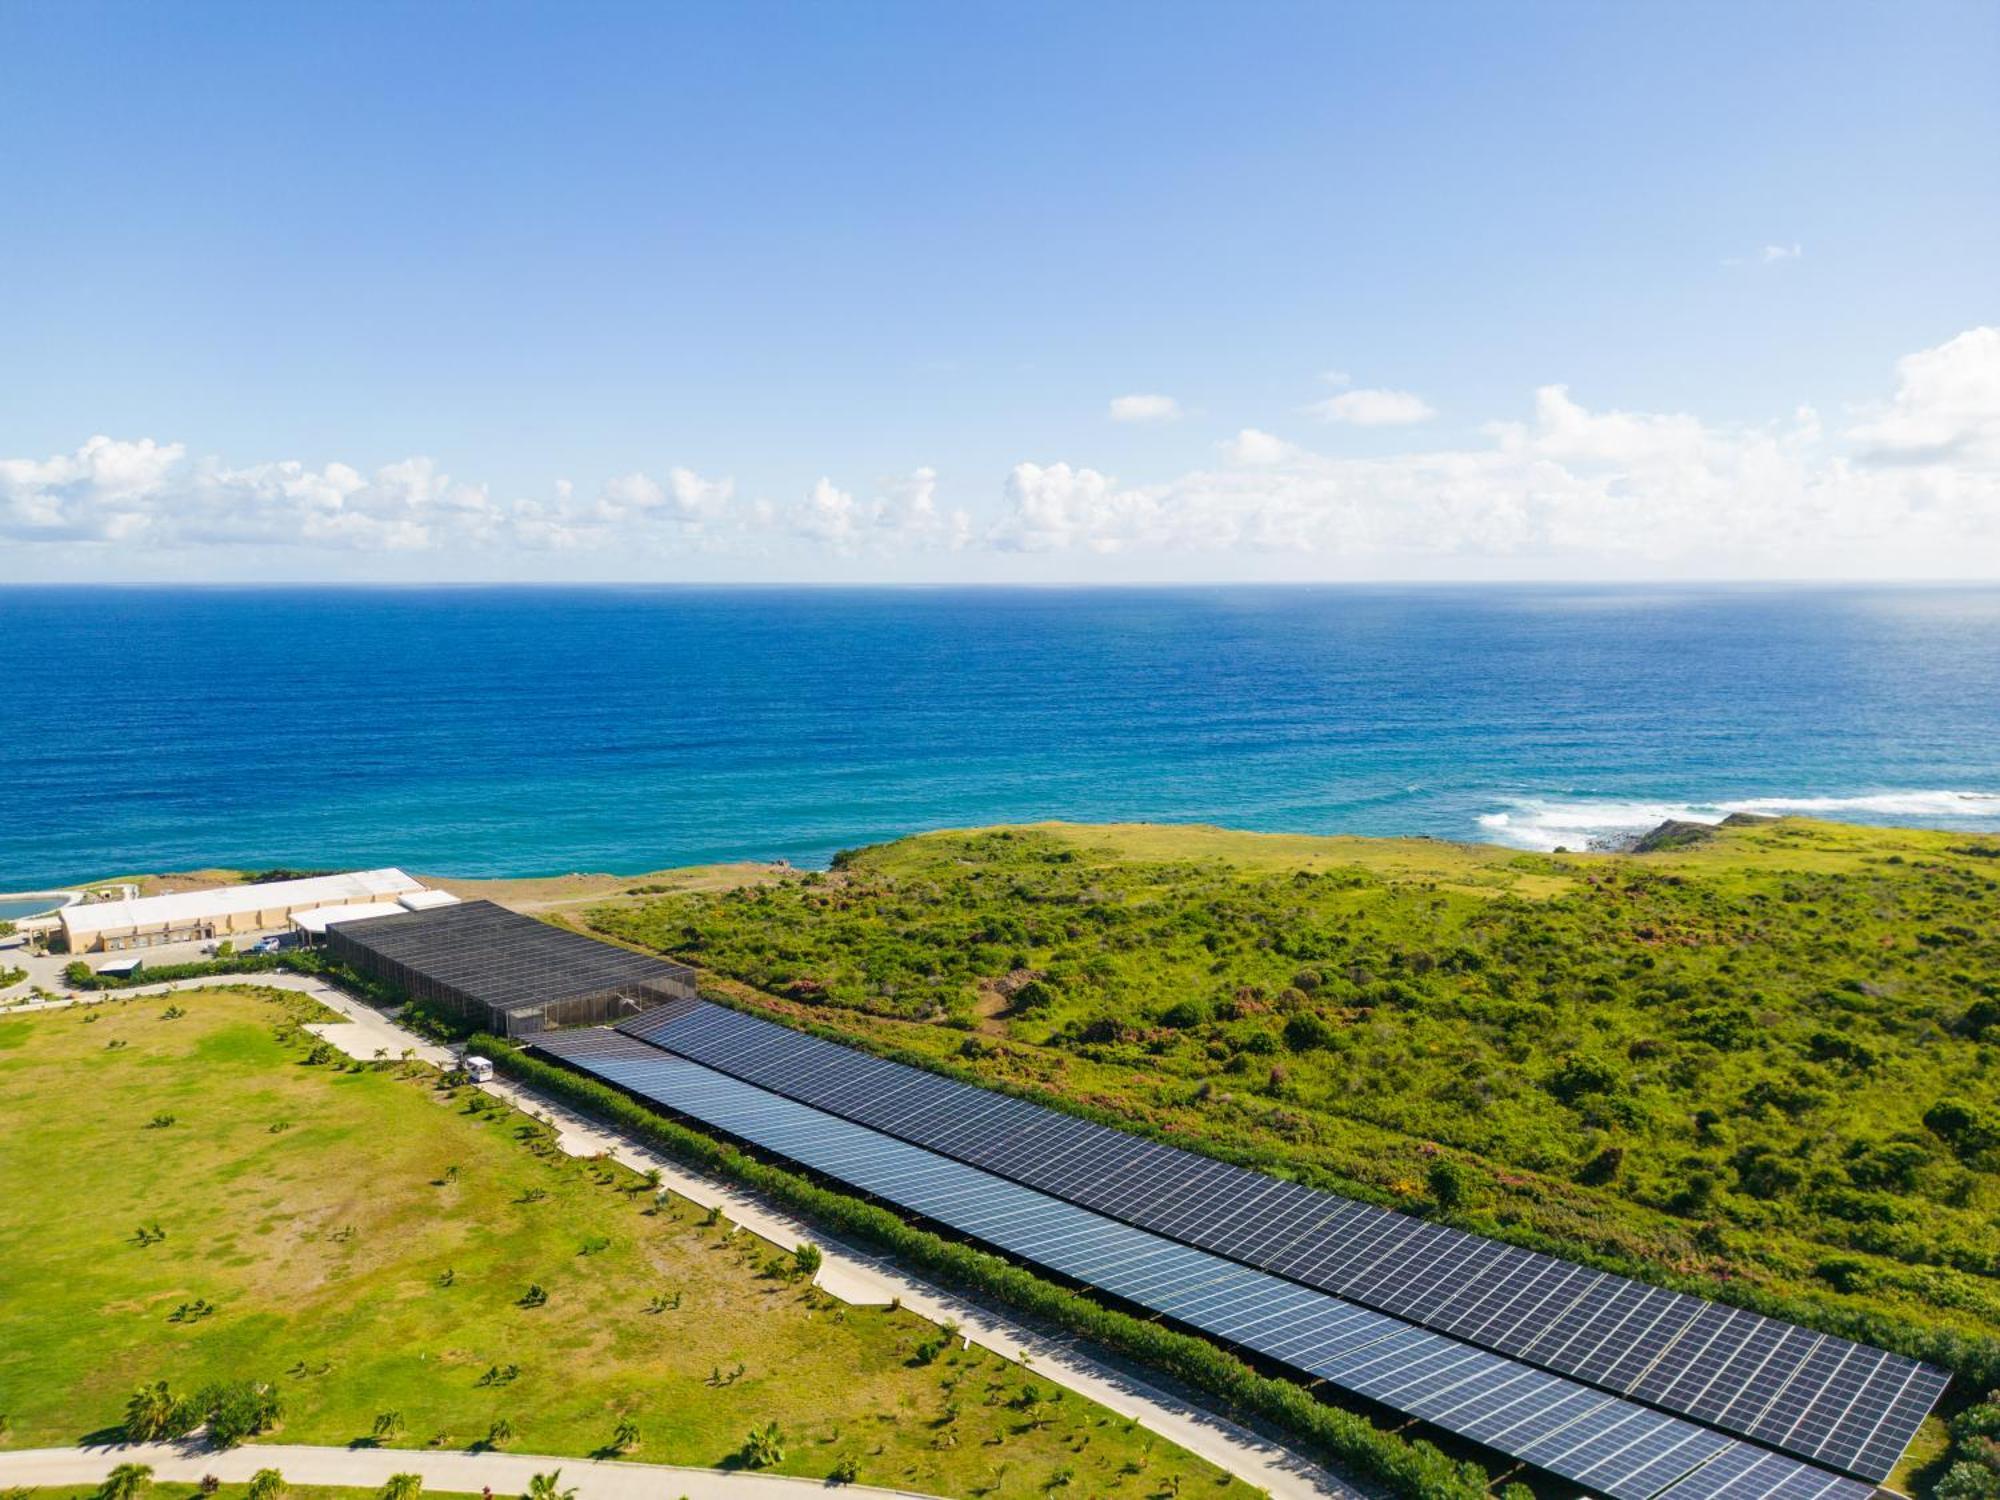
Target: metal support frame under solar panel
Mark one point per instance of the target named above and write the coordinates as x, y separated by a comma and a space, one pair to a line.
1822, 1398
1608, 1445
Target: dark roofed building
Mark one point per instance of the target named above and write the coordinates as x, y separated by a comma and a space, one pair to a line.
506, 972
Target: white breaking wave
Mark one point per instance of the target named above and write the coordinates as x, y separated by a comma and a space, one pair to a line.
1545, 824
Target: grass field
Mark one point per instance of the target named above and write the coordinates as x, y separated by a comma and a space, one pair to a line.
174, 1490
1765, 1066
368, 1240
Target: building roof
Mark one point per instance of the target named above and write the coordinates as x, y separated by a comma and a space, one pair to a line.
322, 917
425, 900
502, 959
192, 906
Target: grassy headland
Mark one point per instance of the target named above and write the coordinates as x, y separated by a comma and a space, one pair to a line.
1763, 1065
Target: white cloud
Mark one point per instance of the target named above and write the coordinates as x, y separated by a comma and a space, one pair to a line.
1909, 486
1252, 447
1145, 408
1772, 255
1055, 507
1577, 490
1373, 408
903, 517
1946, 406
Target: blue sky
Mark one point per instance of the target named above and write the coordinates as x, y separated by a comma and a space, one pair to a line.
848, 291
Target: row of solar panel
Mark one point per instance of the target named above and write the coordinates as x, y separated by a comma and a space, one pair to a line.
1836, 1402
1613, 1447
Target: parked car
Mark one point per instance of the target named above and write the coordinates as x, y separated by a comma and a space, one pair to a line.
264, 945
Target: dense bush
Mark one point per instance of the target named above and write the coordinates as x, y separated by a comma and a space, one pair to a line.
1764, 1070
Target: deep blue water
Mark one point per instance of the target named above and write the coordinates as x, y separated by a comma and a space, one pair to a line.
513, 731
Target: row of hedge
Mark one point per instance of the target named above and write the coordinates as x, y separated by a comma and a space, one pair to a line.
1973, 1360
1414, 1468
79, 975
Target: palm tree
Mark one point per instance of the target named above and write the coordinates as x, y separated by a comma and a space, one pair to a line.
388, 1424
126, 1482
266, 1484
500, 1433
548, 1487
403, 1487
150, 1412
625, 1437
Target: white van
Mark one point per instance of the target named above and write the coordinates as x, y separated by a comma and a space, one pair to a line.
478, 1069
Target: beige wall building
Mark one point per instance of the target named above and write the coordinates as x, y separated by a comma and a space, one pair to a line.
194, 916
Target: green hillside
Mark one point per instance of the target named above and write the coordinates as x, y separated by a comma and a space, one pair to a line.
1764, 1065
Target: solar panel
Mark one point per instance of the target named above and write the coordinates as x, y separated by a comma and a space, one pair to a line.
1737, 1370
1612, 1446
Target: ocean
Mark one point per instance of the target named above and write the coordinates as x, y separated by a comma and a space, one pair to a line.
488, 731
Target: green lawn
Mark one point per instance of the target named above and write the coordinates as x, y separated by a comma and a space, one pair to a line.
173, 1490
365, 1238
1766, 1066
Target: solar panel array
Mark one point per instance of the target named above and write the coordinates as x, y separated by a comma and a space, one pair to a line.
1608, 1445
1846, 1405
478, 956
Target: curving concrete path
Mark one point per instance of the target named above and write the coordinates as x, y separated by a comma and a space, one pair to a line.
370, 1468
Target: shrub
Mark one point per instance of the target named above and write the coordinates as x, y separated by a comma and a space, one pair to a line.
764, 1448
1450, 1184
239, 1410
1966, 1128
807, 1259
266, 1484
1308, 1031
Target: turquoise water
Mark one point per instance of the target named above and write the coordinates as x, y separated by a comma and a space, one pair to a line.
517, 731
11, 911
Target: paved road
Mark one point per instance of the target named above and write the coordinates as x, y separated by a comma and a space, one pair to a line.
370, 1468
848, 1272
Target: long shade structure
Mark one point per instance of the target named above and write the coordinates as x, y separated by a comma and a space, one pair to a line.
1609, 1445
1837, 1403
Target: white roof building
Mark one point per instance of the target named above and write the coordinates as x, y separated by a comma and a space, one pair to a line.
189, 915
314, 923
426, 900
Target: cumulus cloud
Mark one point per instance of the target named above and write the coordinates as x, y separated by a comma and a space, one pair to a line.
1145, 408
1907, 485
1915, 486
1946, 406
1254, 448
905, 515
1374, 408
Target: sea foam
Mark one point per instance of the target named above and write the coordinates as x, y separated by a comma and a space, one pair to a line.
1545, 824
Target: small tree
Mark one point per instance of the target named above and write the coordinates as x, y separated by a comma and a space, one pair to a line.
764, 1448
807, 1260
152, 1414
1451, 1185
625, 1436
239, 1410
403, 1487
266, 1484
549, 1487
126, 1482
500, 1433
388, 1425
